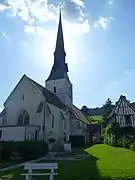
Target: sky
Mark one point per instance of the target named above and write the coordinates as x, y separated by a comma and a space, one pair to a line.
99, 40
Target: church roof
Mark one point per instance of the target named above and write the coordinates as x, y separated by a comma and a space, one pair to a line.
50, 97
79, 115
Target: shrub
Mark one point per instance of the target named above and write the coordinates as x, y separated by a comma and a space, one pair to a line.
127, 142
113, 133
27, 149
6, 149
120, 142
132, 147
106, 139
77, 140
110, 140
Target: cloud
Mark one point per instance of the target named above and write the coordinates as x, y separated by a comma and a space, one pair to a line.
4, 7
36, 13
109, 1
79, 2
103, 22
40, 11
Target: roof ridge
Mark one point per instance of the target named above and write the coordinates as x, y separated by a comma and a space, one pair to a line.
124, 98
126, 101
46, 93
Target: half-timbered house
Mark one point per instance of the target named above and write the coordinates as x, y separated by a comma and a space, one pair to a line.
123, 113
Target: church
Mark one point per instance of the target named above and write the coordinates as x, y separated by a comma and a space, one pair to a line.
35, 112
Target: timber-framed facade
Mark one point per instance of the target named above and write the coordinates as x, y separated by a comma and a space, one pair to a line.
123, 113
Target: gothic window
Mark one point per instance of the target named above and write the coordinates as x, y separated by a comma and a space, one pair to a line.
24, 118
54, 89
128, 119
20, 119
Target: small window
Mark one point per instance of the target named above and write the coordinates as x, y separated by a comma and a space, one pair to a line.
23, 97
0, 134
128, 119
36, 135
54, 89
52, 120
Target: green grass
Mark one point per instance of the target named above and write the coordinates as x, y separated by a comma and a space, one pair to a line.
104, 162
96, 119
114, 162
8, 163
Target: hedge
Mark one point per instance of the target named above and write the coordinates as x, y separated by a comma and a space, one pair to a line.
77, 140
28, 150
119, 137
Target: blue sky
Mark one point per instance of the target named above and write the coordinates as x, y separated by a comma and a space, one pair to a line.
99, 42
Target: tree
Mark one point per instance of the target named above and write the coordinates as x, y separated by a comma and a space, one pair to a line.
85, 110
108, 107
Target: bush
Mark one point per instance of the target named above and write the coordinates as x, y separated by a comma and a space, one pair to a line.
119, 137
27, 149
127, 142
6, 149
132, 147
110, 140
120, 142
77, 140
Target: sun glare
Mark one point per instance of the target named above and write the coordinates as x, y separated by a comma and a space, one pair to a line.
47, 41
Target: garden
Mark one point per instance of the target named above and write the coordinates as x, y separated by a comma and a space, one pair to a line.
103, 162
117, 136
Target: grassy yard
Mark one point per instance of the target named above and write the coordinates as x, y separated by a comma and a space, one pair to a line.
104, 162
8, 163
96, 119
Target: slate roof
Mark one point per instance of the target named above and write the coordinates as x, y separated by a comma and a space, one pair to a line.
53, 99
79, 115
50, 97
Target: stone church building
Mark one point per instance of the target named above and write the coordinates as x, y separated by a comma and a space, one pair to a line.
35, 112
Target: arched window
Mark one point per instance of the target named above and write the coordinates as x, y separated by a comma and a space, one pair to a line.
24, 118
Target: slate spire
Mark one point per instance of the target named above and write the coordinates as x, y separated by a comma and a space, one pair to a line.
60, 68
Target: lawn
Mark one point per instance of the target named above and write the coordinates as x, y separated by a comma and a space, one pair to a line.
96, 119
104, 162
8, 163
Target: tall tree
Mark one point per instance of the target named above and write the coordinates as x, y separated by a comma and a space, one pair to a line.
85, 110
108, 107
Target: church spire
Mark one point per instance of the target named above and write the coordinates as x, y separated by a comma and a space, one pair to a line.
60, 68
59, 49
